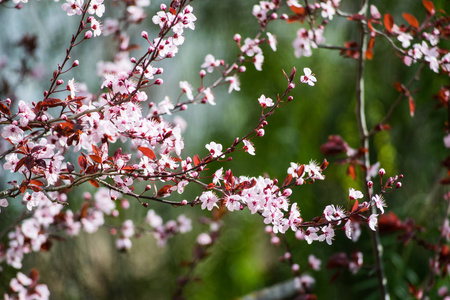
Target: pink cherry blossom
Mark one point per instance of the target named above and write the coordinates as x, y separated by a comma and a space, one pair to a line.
373, 221
308, 78
265, 101
248, 147
214, 149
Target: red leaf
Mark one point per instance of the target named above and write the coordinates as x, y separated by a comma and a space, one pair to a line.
287, 180
411, 20
197, 160
84, 210
388, 22
96, 150
429, 6
351, 172
399, 86
36, 182
5, 109
412, 106
164, 191
211, 186
147, 152
369, 51
297, 10
96, 158
355, 206
94, 183
357, 17
82, 162
52, 102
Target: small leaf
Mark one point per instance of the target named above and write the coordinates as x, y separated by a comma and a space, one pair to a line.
164, 191
5, 109
36, 182
147, 152
297, 10
94, 183
351, 172
412, 106
287, 180
197, 160
82, 162
96, 158
369, 51
355, 206
411, 20
429, 6
388, 22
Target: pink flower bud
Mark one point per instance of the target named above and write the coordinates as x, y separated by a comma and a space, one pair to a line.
274, 16
202, 73
237, 37
163, 7
159, 81
291, 85
284, 17
64, 117
145, 204
268, 229
275, 240
59, 82
144, 34
382, 172
287, 255
295, 268
115, 213
370, 184
184, 202
88, 35
398, 185
242, 69
113, 231
133, 60
290, 98
75, 63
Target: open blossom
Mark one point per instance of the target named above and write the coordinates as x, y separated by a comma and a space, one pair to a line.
187, 88
265, 101
354, 194
214, 149
308, 78
208, 200
311, 234
234, 83
272, 41
373, 221
73, 7
379, 202
210, 63
328, 10
328, 234
248, 147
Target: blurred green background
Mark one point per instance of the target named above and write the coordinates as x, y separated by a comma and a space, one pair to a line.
243, 260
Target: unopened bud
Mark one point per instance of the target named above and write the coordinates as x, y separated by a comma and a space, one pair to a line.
184, 202
145, 204
163, 7
237, 37
202, 73
284, 17
369, 184
274, 16
287, 255
59, 82
382, 172
88, 35
295, 268
290, 98
75, 63
144, 34
398, 185
242, 69
291, 85
159, 81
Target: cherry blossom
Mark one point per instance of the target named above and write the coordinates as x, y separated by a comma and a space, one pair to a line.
214, 149
373, 221
308, 78
265, 101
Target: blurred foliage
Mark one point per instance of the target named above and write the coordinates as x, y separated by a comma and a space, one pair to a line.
243, 260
